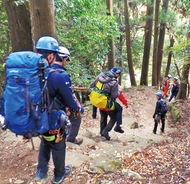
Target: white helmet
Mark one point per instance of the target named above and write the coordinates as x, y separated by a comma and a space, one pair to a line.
176, 78
64, 52
169, 76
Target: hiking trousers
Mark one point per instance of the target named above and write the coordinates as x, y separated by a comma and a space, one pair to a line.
75, 125
58, 156
157, 120
104, 124
119, 111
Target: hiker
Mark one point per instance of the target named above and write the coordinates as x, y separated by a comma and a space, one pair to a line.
53, 141
124, 101
109, 79
158, 114
75, 118
166, 85
175, 88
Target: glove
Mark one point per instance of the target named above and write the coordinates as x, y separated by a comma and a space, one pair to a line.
81, 110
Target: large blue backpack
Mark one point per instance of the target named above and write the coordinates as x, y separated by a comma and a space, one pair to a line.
25, 95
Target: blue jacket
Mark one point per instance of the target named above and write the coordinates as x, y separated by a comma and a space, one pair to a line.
59, 86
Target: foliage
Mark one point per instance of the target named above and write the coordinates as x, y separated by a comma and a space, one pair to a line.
4, 32
83, 27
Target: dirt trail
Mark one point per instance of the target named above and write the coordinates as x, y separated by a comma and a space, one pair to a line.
18, 161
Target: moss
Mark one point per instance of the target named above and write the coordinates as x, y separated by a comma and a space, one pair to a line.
174, 112
140, 89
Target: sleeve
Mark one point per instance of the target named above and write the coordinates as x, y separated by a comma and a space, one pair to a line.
157, 109
65, 92
123, 99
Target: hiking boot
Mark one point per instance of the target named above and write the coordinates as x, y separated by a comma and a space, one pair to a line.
105, 134
78, 141
161, 131
154, 132
68, 170
118, 129
40, 175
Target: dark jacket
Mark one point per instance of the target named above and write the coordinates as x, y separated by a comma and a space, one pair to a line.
175, 87
59, 86
110, 84
158, 108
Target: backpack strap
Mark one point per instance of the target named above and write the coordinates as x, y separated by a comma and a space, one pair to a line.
99, 85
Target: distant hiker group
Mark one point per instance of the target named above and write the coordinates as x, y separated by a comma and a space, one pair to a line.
166, 86
161, 104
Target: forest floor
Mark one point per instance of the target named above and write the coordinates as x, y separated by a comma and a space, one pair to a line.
137, 156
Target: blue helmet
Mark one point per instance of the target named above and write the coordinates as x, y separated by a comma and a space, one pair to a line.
159, 94
116, 70
47, 43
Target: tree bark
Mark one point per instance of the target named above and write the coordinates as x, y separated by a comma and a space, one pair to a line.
161, 42
19, 24
182, 94
184, 83
111, 54
42, 18
169, 56
155, 46
121, 38
128, 45
147, 44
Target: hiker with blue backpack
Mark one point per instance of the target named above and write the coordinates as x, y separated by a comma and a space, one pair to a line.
62, 58
53, 141
160, 113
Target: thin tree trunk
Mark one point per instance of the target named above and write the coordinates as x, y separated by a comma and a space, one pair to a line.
161, 41
148, 36
111, 54
182, 94
155, 46
128, 45
169, 56
120, 48
19, 25
178, 70
42, 18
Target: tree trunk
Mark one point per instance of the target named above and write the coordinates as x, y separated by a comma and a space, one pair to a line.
111, 54
19, 24
147, 44
182, 94
42, 18
161, 41
184, 83
155, 46
169, 56
128, 45
121, 38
